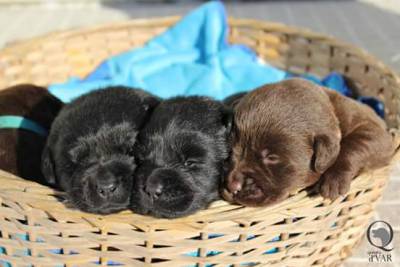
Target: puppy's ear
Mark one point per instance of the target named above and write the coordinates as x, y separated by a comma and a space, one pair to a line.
326, 149
227, 118
78, 152
48, 168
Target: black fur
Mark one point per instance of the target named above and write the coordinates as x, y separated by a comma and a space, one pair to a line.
89, 152
182, 151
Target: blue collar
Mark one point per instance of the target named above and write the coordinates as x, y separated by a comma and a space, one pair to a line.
18, 122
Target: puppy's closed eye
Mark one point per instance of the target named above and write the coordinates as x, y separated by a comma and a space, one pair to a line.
190, 163
79, 152
269, 157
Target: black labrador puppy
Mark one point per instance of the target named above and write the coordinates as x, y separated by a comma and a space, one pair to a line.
182, 151
89, 152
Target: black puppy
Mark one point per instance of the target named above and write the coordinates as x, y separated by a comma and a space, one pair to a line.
182, 151
89, 152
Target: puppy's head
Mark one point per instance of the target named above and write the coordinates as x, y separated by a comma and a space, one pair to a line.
285, 136
93, 160
182, 152
104, 165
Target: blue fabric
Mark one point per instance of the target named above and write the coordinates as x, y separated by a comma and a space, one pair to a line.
191, 58
212, 253
334, 81
19, 252
27, 252
374, 103
18, 122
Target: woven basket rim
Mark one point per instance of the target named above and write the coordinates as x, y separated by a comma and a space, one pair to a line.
76, 31
221, 210
148, 22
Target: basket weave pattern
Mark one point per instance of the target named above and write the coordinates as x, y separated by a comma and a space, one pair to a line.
37, 229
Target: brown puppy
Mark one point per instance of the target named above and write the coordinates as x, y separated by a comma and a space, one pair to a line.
292, 134
21, 149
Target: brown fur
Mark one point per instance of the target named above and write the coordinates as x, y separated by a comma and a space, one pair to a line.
21, 150
292, 134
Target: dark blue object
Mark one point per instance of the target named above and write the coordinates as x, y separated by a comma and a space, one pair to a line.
374, 103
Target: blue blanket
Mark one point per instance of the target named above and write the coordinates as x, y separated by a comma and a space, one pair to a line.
192, 57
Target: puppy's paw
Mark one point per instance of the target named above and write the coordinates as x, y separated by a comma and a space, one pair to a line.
334, 184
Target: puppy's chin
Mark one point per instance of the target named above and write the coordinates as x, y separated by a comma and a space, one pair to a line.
255, 195
251, 199
254, 200
95, 205
85, 198
110, 208
173, 207
84, 192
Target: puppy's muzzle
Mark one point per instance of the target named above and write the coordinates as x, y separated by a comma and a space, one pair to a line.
163, 184
242, 187
106, 189
235, 182
109, 182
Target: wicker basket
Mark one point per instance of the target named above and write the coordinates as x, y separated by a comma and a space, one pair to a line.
37, 230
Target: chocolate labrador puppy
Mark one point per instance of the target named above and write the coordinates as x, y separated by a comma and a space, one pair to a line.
182, 151
90, 149
292, 134
21, 148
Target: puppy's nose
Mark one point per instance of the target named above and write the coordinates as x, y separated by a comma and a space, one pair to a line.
107, 189
235, 182
154, 190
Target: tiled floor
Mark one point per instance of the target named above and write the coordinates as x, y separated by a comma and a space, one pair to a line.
376, 30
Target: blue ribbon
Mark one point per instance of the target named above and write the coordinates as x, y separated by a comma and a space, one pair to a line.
18, 122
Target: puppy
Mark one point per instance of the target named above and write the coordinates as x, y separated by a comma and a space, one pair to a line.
182, 151
292, 134
89, 152
21, 148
